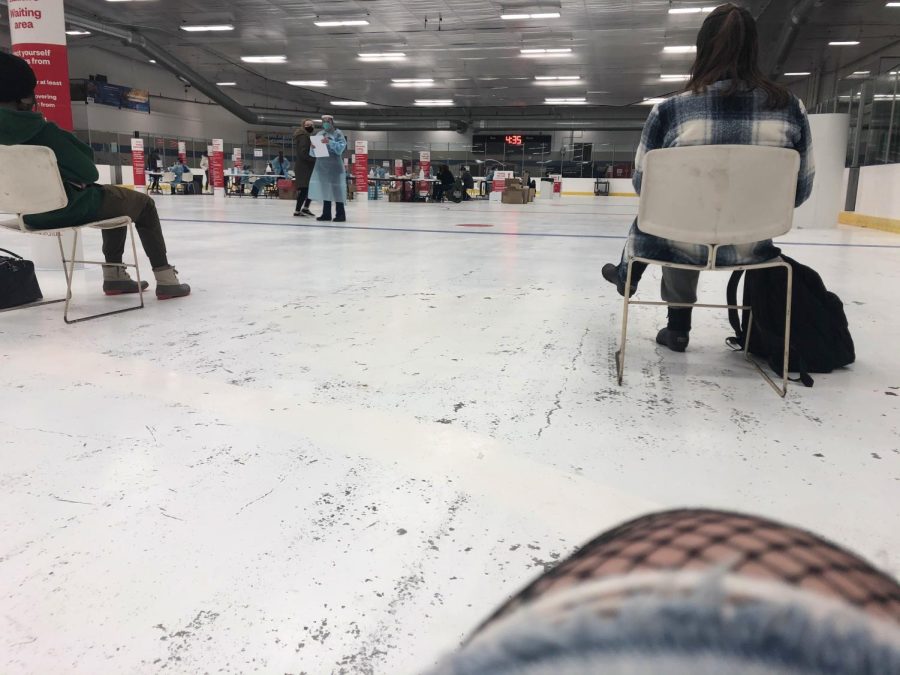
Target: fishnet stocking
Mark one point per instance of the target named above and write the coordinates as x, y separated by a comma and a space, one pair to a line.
697, 539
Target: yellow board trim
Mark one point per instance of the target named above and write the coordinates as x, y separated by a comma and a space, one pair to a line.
591, 194
871, 222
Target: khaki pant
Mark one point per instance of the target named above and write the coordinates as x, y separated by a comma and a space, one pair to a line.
141, 209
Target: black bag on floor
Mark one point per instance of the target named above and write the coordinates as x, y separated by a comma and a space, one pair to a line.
820, 337
18, 284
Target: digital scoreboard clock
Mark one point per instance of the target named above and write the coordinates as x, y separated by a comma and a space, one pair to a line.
514, 140
499, 143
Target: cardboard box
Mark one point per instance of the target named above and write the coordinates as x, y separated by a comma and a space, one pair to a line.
394, 194
514, 196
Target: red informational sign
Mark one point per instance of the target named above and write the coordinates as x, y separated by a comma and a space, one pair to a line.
238, 158
138, 162
425, 167
398, 167
499, 182
217, 165
361, 166
182, 152
38, 32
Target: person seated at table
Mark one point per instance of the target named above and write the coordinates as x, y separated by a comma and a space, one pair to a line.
88, 202
444, 184
279, 169
468, 183
179, 168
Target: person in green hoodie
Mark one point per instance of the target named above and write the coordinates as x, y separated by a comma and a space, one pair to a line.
88, 201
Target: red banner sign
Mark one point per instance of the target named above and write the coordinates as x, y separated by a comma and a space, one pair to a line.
38, 32
217, 164
182, 152
361, 166
425, 168
138, 162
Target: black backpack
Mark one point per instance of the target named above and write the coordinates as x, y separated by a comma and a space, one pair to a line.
820, 338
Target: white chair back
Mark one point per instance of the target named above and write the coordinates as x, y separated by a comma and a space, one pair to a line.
29, 180
168, 177
718, 194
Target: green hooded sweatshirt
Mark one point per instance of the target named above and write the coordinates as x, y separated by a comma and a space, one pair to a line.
75, 161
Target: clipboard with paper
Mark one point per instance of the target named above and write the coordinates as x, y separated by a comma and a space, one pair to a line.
319, 146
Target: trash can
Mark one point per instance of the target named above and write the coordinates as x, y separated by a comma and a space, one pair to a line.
546, 189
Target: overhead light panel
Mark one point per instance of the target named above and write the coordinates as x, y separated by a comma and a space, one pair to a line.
680, 49
226, 84
545, 53
349, 104
78, 32
802, 73
334, 24
690, 10
152, 61
212, 28
893, 4
565, 101
674, 78
534, 15
412, 82
843, 43
308, 83
652, 101
264, 59
434, 102
860, 73
557, 80
381, 56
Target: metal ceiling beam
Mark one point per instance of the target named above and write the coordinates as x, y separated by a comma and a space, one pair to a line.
798, 16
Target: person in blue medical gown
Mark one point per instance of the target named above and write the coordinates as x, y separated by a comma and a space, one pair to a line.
329, 181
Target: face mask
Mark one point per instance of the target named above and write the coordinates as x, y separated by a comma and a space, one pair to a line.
309, 129
328, 126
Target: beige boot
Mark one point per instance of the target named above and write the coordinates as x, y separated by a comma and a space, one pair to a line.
167, 284
117, 282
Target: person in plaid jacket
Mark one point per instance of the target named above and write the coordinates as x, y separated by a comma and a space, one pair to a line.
728, 101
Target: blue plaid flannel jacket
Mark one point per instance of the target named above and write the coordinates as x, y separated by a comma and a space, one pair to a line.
709, 118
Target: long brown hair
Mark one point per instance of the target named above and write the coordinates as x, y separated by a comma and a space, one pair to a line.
728, 49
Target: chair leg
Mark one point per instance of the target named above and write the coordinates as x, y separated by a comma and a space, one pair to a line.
70, 274
620, 355
787, 327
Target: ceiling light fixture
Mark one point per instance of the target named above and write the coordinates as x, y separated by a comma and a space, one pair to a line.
801, 73
152, 61
308, 83
893, 4
565, 101
226, 84
434, 102
333, 24
349, 103
381, 56
264, 59
674, 78
680, 49
545, 53
557, 81
862, 72
220, 27
538, 15
78, 32
412, 82
651, 101
843, 43
690, 10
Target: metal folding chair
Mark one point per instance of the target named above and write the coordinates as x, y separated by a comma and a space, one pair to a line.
29, 184
715, 196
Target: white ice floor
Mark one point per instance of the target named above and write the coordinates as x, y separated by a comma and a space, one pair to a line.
351, 443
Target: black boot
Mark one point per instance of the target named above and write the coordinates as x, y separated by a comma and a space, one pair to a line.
326, 212
340, 216
610, 272
254, 192
676, 335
